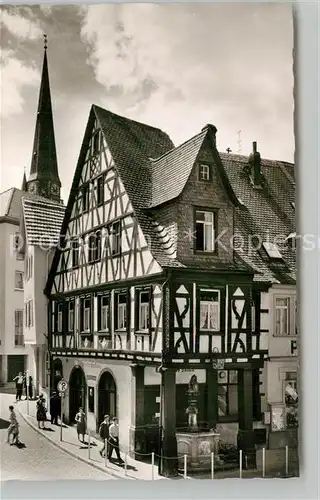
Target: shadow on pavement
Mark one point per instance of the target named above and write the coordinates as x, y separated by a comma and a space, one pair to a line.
19, 445
4, 423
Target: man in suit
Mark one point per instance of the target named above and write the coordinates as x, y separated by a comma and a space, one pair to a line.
55, 408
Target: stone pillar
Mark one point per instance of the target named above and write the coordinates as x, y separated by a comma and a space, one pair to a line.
169, 466
137, 435
246, 436
212, 397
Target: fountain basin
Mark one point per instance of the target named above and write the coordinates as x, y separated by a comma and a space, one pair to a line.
198, 447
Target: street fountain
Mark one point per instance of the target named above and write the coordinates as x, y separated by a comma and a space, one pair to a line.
197, 444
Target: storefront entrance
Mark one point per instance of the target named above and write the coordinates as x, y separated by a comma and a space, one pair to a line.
77, 392
107, 397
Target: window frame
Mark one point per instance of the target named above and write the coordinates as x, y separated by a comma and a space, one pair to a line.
85, 196
143, 306
71, 310
75, 250
214, 225
100, 190
60, 310
18, 334
101, 308
291, 315
121, 306
227, 384
95, 144
20, 289
208, 291
86, 318
200, 172
112, 235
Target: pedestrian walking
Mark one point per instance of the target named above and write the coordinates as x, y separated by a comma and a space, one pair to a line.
13, 428
55, 408
19, 386
104, 434
114, 440
41, 411
81, 424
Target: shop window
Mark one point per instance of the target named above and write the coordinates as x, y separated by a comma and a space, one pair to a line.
227, 393
291, 399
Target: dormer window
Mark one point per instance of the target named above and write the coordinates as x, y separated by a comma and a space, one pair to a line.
272, 250
204, 172
205, 230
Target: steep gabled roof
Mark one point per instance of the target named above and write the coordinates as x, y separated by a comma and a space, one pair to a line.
42, 220
154, 172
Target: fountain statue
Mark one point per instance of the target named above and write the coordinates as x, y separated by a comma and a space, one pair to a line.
192, 410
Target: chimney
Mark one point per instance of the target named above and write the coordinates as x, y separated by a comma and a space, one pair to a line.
255, 166
212, 130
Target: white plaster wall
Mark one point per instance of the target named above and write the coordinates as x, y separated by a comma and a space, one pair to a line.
122, 375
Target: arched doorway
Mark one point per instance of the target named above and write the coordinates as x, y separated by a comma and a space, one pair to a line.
107, 396
77, 392
56, 373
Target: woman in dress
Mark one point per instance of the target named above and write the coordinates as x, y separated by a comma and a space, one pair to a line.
41, 411
81, 424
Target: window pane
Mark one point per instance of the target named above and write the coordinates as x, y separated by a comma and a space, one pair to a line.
208, 238
199, 236
208, 217
200, 216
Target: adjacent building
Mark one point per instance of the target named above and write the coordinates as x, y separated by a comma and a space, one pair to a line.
14, 352
174, 262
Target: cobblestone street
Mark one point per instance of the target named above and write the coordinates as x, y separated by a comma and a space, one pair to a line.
39, 460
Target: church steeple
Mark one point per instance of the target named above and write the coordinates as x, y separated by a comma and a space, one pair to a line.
44, 178
24, 185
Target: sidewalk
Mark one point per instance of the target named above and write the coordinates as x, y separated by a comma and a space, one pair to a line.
70, 444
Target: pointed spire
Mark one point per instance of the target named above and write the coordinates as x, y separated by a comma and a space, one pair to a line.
44, 165
24, 181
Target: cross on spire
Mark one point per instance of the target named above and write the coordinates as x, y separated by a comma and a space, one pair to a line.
45, 42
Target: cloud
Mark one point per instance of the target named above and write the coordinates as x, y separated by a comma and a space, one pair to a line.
19, 26
14, 75
179, 66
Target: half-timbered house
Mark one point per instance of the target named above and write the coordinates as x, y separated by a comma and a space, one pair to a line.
166, 261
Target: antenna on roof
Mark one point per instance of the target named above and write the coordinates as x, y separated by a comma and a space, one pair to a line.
239, 142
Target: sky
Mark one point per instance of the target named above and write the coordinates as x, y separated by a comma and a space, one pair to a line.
173, 66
